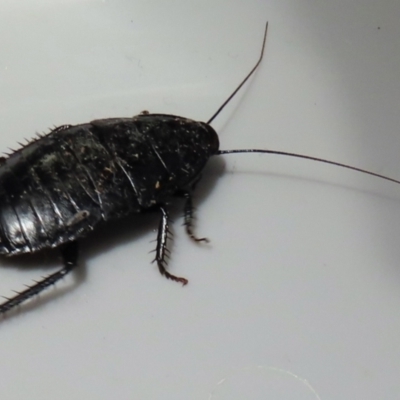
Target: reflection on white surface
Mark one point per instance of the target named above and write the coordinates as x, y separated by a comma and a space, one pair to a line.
264, 382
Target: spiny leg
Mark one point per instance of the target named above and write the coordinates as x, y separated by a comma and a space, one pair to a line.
69, 253
188, 215
162, 250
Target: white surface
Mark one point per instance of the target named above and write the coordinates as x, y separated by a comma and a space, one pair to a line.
298, 294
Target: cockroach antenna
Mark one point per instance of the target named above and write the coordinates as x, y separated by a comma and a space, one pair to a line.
244, 80
277, 152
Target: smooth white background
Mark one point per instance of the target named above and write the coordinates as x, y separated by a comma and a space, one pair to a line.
298, 294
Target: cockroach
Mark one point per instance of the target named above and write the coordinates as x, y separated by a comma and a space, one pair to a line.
61, 186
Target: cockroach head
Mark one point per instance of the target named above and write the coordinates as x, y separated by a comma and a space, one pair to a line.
211, 138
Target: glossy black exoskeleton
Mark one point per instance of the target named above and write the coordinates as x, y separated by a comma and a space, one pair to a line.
58, 188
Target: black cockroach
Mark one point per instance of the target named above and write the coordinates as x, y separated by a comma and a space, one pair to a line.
59, 187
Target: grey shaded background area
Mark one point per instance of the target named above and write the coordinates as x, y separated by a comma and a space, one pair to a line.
297, 296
